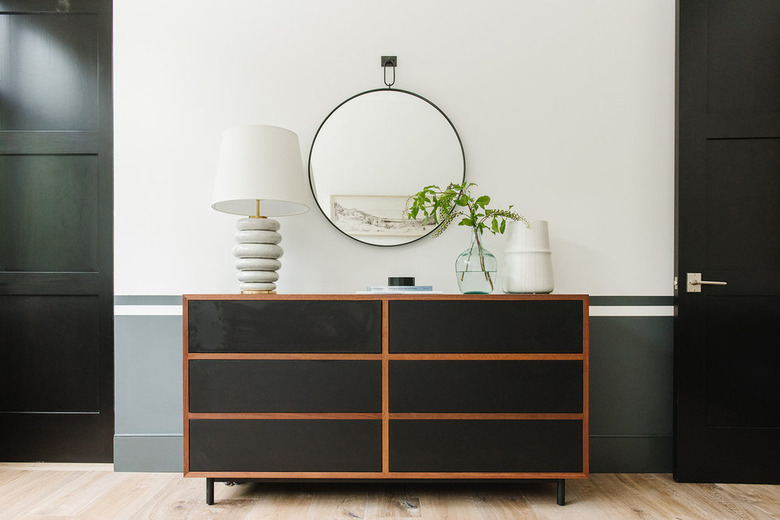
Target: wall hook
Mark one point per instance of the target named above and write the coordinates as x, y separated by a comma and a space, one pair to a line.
389, 61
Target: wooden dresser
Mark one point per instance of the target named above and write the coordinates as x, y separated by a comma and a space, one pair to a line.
363, 387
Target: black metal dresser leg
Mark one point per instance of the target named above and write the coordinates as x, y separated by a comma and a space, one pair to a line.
210, 491
561, 491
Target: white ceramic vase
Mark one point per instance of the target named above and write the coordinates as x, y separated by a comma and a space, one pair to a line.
527, 266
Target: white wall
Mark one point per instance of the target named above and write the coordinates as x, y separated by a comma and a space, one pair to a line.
565, 109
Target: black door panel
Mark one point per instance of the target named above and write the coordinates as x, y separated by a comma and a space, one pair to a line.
56, 274
727, 338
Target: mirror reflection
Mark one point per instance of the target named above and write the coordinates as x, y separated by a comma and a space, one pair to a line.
371, 153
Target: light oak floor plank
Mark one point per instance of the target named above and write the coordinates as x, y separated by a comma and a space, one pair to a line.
128, 496
56, 466
334, 502
19, 495
276, 501
391, 501
79, 492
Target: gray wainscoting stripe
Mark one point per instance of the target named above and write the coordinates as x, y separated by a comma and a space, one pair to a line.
631, 401
631, 300
134, 435
170, 305
148, 375
147, 300
630, 310
631, 393
152, 299
147, 310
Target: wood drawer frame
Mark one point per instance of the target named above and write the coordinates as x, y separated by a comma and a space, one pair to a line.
385, 416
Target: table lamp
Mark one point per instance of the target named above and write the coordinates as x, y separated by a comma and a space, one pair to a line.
259, 175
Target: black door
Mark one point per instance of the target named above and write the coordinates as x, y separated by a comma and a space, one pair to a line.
727, 337
56, 309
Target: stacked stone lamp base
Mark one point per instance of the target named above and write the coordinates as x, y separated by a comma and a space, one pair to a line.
258, 254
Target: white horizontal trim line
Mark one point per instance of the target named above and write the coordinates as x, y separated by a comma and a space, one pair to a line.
595, 310
148, 435
615, 310
647, 436
41, 412
147, 310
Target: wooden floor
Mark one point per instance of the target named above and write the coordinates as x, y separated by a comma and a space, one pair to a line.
69, 491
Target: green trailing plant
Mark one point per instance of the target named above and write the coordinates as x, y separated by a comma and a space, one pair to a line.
444, 206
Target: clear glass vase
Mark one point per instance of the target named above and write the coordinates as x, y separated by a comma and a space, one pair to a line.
476, 268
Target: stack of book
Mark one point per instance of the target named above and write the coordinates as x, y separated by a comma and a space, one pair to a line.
400, 289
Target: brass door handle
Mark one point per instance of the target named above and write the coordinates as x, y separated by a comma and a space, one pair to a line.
695, 282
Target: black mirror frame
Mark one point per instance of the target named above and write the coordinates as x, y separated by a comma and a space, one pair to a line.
314, 140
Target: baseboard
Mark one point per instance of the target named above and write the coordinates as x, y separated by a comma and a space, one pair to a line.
148, 453
628, 454
163, 454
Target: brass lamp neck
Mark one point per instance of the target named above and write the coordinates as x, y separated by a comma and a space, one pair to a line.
257, 210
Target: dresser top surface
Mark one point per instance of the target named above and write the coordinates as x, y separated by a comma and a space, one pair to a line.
392, 296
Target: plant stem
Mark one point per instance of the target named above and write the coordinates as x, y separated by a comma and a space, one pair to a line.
478, 242
468, 261
481, 258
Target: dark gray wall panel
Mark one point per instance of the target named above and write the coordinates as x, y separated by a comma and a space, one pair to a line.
641, 454
631, 368
631, 387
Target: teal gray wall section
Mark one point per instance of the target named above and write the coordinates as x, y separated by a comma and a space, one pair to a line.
631, 403
148, 393
631, 406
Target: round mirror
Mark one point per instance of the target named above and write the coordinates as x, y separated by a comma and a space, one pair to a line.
371, 153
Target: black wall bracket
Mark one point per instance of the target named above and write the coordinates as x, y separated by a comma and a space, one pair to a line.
389, 61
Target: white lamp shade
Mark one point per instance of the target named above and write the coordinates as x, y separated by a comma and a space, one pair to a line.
259, 163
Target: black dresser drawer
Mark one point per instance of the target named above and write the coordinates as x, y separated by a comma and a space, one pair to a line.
486, 386
284, 326
388, 387
490, 326
485, 446
285, 445
324, 386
